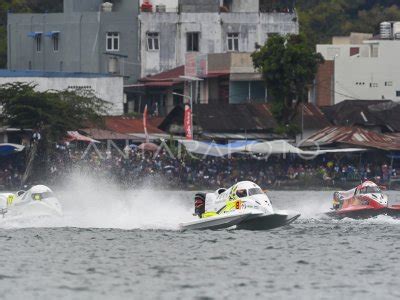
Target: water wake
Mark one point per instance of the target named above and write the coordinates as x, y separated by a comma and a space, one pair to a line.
89, 202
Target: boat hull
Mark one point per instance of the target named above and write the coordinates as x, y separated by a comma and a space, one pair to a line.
364, 213
267, 222
214, 223
243, 221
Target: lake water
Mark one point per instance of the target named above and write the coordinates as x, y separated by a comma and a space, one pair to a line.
114, 244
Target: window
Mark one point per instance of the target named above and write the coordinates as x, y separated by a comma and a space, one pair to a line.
241, 193
374, 50
255, 191
397, 93
38, 40
354, 51
388, 83
112, 41
153, 41
192, 41
56, 40
233, 41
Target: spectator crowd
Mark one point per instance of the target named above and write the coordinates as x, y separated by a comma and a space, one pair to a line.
164, 171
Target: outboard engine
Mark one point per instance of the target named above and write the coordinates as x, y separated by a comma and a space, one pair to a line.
199, 204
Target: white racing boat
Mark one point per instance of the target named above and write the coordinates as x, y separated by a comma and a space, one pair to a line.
39, 200
243, 206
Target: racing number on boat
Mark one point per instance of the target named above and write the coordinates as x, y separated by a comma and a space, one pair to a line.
237, 204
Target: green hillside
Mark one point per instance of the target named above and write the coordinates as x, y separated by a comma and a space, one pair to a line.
322, 19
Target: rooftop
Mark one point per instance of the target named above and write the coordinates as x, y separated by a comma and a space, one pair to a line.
354, 136
225, 118
32, 73
128, 125
366, 113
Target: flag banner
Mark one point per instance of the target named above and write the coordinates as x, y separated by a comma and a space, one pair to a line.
188, 123
145, 123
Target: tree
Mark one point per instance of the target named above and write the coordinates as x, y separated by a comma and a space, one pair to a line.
289, 67
322, 19
52, 113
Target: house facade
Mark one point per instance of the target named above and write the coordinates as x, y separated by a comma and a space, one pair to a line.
365, 70
171, 29
88, 36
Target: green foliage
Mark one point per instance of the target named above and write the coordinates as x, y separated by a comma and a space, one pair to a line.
322, 19
288, 66
52, 112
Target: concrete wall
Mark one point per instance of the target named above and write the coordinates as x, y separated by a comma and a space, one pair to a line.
246, 6
107, 88
195, 6
331, 52
82, 41
171, 5
213, 28
369, 78
81, 6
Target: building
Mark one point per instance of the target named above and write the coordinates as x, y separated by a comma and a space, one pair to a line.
222, 78
364, 68
160, 92
227, 78
105, 86
88, 36
170, 29
222, 122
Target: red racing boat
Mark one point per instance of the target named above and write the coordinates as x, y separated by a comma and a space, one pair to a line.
365, 201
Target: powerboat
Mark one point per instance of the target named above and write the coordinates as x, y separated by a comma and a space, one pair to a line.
243, 206
39, 200
364, 201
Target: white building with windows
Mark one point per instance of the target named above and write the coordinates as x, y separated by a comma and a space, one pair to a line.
366, 70
173, 28
105, 86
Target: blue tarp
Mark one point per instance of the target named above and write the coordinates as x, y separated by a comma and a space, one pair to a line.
7, 149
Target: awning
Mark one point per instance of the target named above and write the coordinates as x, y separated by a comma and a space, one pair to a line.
267, 148
76, 136
52, 33
214, 149
274, 147
215, 75
239, 136
7, 149
34, 34
246, 77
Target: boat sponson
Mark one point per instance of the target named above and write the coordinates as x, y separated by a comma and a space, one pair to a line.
267, 222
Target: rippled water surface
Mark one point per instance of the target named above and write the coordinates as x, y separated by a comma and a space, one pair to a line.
137, 253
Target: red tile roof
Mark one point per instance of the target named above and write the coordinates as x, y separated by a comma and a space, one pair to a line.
167, 78
128, 125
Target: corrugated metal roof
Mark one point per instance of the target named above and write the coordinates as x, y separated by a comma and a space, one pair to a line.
369, 113
250, 117
313, 117
354, 136
31, 73
127, 125
102, 134
243, 118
